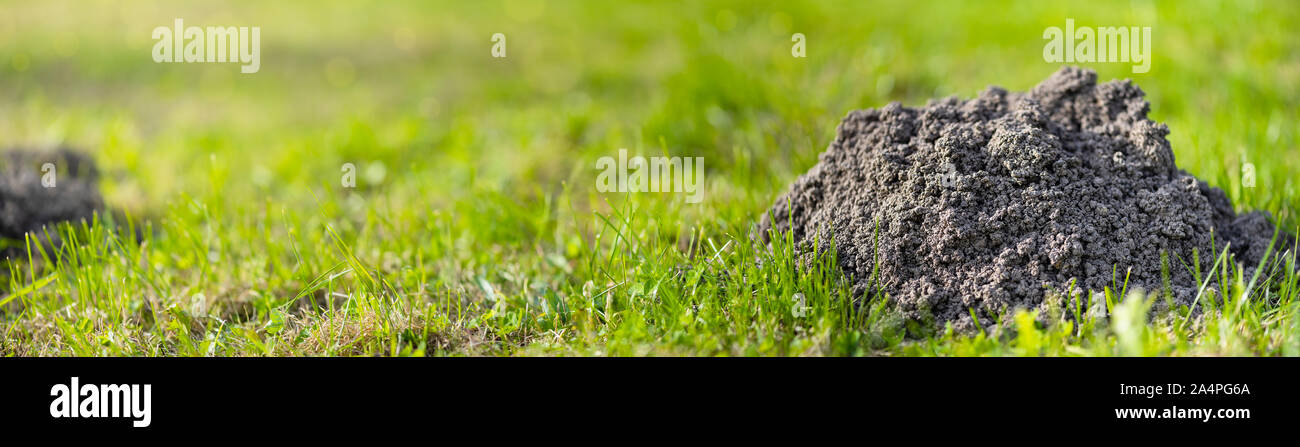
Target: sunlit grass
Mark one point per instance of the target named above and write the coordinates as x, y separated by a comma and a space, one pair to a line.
475, 227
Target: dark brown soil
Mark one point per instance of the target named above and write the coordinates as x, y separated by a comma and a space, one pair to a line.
27, 205
987, 204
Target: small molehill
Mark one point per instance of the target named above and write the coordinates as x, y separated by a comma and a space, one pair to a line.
39, 188
988, 204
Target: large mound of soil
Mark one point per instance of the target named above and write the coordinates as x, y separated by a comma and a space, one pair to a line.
990, 203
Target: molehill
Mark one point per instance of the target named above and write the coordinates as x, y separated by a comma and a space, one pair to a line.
27, 203
990, 204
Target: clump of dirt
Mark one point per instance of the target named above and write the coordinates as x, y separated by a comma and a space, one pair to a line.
989, 204
39, 188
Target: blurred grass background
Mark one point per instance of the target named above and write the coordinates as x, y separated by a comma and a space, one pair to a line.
476, 175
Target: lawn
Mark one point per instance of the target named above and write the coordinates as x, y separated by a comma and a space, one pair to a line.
475, 226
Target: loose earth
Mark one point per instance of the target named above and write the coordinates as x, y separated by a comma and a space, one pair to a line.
985, 205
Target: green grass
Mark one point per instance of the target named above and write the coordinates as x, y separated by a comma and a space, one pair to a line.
476, 229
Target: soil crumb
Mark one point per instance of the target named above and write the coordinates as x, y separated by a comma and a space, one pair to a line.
39, 188
989, 204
